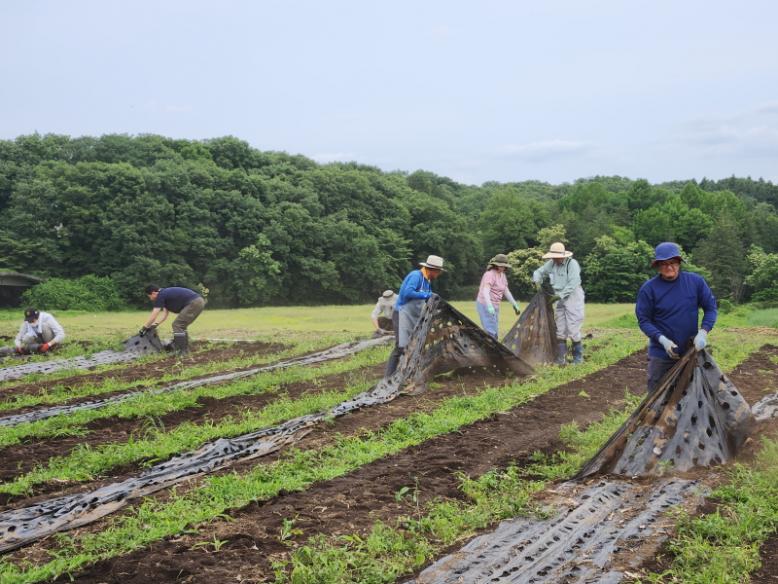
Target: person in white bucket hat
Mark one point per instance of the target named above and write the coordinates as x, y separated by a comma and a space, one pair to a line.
564, 275
382, 313
414, 292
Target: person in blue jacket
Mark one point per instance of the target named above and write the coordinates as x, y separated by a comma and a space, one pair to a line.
414, 292
668, 308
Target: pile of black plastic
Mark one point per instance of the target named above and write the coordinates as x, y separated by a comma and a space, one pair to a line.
695, 418
533, 336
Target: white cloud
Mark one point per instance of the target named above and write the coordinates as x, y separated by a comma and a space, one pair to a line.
753, 132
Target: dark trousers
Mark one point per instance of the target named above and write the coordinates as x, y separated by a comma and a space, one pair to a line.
657, 367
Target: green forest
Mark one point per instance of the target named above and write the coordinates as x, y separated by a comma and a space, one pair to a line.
252, 227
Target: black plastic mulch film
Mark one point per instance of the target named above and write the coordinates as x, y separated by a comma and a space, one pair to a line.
443, 340
695, 418
134, 348
533, 336
337, 352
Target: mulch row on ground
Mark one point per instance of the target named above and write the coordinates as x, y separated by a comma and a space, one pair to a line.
157, 368
354, 502
19, 459
366, 419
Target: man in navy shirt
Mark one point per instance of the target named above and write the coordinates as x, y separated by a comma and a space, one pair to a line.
668, 308
414, 292
187, 303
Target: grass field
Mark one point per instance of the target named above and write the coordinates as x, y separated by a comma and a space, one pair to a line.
280, 324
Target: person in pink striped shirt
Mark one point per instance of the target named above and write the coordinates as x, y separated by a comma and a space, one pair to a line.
494, 286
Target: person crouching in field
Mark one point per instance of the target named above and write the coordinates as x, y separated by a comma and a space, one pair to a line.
668, 309
414, 292
40, 333
382, 313
494, 285
187, 303
564, 275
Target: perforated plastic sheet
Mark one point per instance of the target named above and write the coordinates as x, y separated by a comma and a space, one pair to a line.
337, 352
134, 348
444, 339
696, 418
533, 336
577, 545
766, 408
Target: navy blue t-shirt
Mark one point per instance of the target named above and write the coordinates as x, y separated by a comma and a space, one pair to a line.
175, 298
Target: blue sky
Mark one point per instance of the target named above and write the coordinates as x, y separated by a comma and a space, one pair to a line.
477, 91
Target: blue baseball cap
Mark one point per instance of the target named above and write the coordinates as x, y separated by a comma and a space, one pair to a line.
666, 251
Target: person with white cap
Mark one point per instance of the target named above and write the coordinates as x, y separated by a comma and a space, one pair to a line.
494, 285
564, 275
383, 311
414, 292
40, 333
668, 309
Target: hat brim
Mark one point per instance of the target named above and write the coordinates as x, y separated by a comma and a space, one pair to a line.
555, 255
655, 261
431, 267
499, 264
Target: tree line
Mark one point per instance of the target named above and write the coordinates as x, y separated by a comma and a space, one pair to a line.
256, 227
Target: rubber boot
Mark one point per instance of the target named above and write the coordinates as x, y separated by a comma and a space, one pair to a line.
577, 353
561, 353
181, 343
394, 360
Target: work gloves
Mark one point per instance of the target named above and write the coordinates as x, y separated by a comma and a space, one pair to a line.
670, 347
537, 285
144, 329
701, 340
44, 348
554, 298
433, 296
490, 308
516, 308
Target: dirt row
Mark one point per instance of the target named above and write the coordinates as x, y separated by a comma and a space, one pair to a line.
354, 502
202, 352
215, 410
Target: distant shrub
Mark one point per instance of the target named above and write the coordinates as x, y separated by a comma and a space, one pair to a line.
725, 306
91, 293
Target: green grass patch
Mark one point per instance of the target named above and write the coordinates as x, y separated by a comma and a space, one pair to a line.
723, 546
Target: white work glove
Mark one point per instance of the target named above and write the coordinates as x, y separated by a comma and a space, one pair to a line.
516, 308
670, 347
701, 340
490, 308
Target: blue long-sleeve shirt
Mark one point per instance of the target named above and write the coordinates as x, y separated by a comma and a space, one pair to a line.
415, 286
671, 308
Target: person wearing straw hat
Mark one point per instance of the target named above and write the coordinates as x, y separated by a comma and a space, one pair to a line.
668, 309
414, 292
494, 285
564, 275
382, 313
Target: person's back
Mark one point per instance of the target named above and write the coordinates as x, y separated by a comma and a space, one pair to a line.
175, 298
